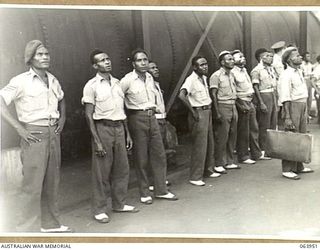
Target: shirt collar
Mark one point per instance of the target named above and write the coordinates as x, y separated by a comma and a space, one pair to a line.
237, 68
136, 76
100, 78
34, 74
195, 75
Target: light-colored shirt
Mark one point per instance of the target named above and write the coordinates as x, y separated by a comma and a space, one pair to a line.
316, 74
225, 83
35, 102
307, 68
277, 64
265, 77
161, 109
106, 96
292, 86
244, 86
139, 94
197, 90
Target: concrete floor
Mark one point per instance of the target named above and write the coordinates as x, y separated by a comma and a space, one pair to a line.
254, 201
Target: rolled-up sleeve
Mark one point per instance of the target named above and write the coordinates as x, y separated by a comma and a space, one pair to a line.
124, 84
60, 93
284, 88
88, 95
187, 86
255, 77
214, 82
11, 91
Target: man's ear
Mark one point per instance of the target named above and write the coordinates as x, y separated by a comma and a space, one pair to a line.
95, 66
133, 65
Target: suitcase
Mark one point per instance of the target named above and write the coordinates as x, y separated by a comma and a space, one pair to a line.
289, 146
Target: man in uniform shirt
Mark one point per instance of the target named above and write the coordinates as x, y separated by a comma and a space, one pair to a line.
148, 150
278, 49
264, 80
307, 68
316, 85
104, 107
160, 110
293, 94
224, 95
248, 130
194, 94
41, 112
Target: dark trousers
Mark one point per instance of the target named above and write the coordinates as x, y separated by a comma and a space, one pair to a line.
148, 152
163, 131
202, 144
110, 174
225, 134
298, 112
267, 120
248, 134
41, 176
318, 107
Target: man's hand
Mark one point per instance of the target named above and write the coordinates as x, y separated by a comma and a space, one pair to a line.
195, 115
28, 136
99, 150
288, 124
263, 108
129, 142
219, 118
60, 126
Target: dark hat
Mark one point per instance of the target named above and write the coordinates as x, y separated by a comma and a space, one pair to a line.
258, 53
223, 53
278, 45
31, 49
235, 52
286, 54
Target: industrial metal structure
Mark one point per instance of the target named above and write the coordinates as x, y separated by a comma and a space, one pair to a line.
171, 37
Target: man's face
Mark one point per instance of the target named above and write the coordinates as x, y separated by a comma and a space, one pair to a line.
141, 62
41, 59
201, 66
153, 70
307, 57
228, 61
295, 58
102, 63
239, 59
267, 58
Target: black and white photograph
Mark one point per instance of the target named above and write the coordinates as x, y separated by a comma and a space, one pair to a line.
153, 121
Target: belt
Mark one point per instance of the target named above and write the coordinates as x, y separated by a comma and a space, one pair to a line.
148, 112
161, 116
270, 90
110, 123
227, 101
205, 107
45, 122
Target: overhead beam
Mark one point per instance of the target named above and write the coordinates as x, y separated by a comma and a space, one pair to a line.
188, 65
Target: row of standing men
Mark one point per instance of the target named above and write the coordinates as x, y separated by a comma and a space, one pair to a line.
130, 113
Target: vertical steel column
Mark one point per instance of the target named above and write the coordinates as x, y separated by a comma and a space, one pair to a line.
303, 31
247, 37
137, 28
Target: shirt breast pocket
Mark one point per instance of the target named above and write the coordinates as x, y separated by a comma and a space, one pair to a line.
138, 95
35, 99
104, 103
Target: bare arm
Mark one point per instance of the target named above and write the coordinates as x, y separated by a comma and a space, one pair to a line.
99, 150
129, 142
213, 94
263, 107
288, 124
185, 101
26, 135
62, 119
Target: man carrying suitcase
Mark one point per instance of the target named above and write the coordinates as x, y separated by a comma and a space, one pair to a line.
293, 94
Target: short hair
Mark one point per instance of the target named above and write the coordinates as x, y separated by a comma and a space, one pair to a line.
305, 54
258, 53
93, 54
136, 51
318, 58
195, 59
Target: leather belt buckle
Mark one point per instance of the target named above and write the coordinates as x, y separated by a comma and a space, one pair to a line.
150, 112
